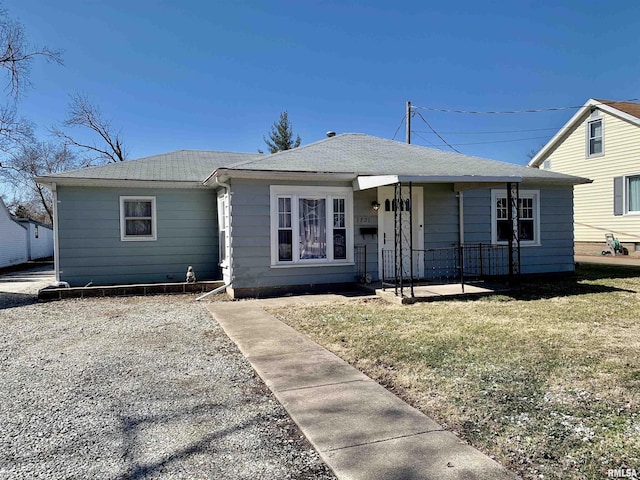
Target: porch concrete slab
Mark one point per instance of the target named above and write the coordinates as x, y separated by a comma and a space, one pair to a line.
361, 430
425, 293
354, 413
304, 370
429, 456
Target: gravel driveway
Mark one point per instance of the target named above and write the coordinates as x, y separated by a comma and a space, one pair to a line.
20, 285
137, 387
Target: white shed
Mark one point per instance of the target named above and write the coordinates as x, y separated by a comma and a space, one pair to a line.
39, 238
13, 239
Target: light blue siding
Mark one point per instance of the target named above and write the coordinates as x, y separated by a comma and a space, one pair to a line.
441, 225
555, 253
91, 249
251, 240
366, 217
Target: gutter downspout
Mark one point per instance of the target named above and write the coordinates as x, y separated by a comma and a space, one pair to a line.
212, 292
227, 242
56, 238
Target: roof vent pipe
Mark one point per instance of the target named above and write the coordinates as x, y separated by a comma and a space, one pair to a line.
331, 134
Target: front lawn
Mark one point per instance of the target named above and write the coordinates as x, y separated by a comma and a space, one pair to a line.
546, 381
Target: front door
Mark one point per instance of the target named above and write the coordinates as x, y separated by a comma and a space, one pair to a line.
386, 240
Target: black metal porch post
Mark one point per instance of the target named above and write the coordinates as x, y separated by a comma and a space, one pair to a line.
513, 214
409, 209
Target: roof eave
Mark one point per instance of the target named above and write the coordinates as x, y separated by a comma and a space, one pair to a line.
49, 181
224, 174
570, 180
364, 182
540, 157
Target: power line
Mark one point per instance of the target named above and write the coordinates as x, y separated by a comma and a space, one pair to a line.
437, 134
487, 143
510, 112
424, 139
399, 126
495, 131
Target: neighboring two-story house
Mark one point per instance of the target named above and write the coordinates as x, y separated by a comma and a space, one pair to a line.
601, 142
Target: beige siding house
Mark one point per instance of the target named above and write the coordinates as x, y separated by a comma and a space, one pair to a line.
601, 142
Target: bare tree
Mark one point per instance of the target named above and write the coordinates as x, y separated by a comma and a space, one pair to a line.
83, 113
32, 160
16, 57
16, 54
14, 131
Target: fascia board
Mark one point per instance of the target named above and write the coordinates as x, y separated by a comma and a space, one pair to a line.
101, 182
540, 156
224, 174
366, 182
537, 160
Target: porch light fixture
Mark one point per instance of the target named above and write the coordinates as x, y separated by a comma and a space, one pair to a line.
375, 205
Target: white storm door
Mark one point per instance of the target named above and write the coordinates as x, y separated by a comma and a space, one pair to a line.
386, 238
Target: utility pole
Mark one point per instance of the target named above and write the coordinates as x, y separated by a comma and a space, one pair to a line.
408, 122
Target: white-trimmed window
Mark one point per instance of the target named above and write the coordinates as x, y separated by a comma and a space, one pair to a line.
311, 225
595, 138
633, 194
529, 212
138, 218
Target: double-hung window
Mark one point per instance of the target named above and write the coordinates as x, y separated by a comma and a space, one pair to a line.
633, 194
595, 146
529, 217
138, 218
311, 225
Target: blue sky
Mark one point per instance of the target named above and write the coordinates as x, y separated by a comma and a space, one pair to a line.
215, 75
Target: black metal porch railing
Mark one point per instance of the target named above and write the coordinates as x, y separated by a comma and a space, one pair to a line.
486, 261
455, 264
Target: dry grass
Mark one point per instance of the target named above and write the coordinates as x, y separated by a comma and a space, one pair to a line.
546, 381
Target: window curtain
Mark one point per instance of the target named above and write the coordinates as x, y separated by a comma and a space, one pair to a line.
313, 228
634, 194
138, 218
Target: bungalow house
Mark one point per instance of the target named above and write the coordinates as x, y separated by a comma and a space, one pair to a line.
601, 142
316, 216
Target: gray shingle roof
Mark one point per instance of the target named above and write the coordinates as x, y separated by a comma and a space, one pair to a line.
180, 166
366, 155
349, 153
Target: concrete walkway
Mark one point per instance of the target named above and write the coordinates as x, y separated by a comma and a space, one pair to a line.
361, 430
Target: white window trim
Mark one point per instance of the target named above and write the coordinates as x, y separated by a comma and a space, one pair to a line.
317, 192
588, 136
123, 229
625, 195
533, 194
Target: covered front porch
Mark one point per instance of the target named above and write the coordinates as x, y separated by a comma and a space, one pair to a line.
421, 248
